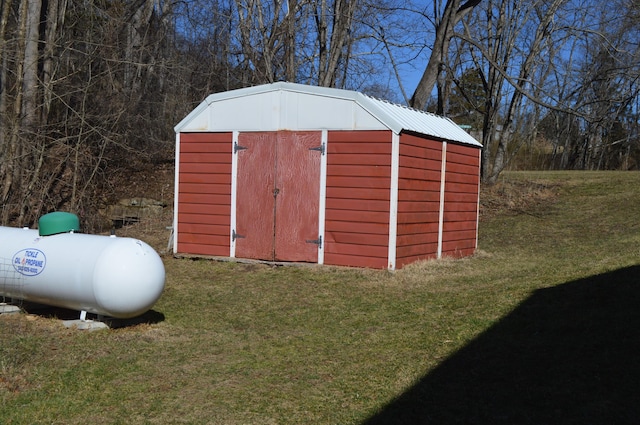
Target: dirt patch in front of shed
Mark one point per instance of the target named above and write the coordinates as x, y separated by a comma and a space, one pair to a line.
132, 187
514, 197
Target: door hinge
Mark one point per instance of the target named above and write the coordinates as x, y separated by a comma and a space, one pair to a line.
318, 148
237, 147
235, 236
316, 241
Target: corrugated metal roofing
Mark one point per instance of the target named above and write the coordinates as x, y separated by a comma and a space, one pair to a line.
401, 118
395, 117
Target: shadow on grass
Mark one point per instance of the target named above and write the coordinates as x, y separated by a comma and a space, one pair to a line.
150, 317
567, 355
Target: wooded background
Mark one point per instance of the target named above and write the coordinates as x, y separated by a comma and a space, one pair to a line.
89, 89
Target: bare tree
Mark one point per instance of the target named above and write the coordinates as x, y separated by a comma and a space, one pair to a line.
509, 26
76, 89
290, 40
333, 46
19, 148
609, 76
267, 34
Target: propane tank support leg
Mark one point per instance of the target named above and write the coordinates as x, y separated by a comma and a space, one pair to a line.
8, 308
84, 324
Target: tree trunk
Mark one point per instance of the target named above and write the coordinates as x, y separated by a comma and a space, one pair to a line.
55, 18
5, 169
452, 14
290, 42
31, 160
340, 39
12, 149
30, 78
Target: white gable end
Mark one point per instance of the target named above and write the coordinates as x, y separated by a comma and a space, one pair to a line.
289, 106
278, 110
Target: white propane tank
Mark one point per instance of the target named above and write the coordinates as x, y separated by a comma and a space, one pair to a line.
106, 275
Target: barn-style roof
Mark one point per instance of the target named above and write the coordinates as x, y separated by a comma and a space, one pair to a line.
290, 106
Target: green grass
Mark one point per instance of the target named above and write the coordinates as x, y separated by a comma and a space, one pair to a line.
503, 337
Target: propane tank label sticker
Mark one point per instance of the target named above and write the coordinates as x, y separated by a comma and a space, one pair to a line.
29, 262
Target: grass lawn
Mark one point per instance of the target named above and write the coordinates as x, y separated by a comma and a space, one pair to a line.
540, 327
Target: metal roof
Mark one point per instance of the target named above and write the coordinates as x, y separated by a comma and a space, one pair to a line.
294, 106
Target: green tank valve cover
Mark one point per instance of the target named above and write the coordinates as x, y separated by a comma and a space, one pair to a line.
58, 222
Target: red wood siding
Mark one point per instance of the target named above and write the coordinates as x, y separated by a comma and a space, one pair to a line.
357, 199
418, 199
204, 193
461, 200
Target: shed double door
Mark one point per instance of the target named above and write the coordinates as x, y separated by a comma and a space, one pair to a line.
277, 201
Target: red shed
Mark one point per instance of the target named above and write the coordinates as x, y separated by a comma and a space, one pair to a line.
293, 173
